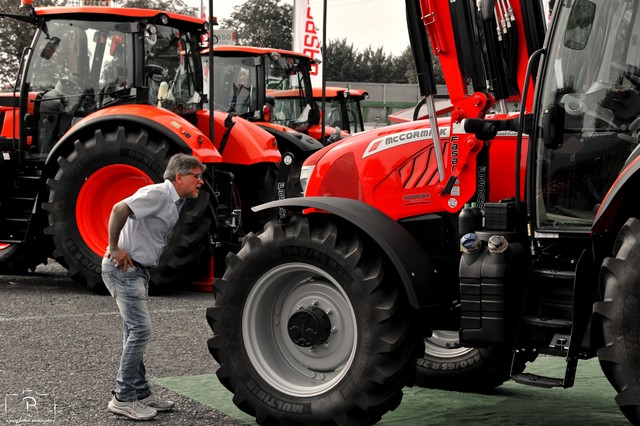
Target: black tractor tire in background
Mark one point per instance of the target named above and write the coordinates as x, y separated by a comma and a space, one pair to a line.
188, 246
19, 259
139, 158
619, 316
357, 352
447, 365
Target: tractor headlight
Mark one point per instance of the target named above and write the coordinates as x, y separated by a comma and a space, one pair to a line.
305, 174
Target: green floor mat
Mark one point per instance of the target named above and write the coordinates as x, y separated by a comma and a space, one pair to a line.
589, 402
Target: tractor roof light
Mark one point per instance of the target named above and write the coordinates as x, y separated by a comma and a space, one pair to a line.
266, 113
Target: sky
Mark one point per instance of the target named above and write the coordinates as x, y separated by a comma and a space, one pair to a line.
363, 23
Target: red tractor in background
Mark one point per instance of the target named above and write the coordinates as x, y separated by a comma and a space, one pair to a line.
322, 315
104, 97
343, 107
272, 89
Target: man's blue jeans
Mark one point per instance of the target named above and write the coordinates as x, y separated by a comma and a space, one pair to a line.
130, 290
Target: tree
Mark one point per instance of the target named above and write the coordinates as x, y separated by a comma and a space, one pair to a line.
342, 61
376, 66
404, 67
262, 23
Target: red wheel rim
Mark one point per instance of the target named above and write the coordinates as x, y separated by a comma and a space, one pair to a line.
97, 196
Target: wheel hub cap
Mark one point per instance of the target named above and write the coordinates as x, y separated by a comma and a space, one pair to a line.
309, 327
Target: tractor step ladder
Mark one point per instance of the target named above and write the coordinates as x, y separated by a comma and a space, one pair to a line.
20, 207
539, 323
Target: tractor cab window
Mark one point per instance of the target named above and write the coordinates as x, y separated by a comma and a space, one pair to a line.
170, 69
354, 112
287, 80
236, 86
75, 68
590, 128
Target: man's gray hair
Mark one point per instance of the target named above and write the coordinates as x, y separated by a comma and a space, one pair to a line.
182, 163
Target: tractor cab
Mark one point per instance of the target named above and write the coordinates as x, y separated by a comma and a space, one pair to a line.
77, 66
589, 126
343, 107
270, 87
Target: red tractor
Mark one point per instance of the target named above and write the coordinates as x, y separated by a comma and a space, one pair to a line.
322, 315
343, 107
104, 97
272, 89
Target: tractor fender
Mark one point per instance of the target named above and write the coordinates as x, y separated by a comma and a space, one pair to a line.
620, 203
246, 144
292, 140
184, 135
408, 257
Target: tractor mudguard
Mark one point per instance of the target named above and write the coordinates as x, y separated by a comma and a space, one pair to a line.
620, 203
407, 256
290, 138
175, 128
247, 144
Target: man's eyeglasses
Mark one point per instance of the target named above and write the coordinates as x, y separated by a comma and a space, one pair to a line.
198, 176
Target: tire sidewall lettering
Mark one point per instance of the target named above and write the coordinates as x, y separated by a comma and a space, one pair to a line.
292, 251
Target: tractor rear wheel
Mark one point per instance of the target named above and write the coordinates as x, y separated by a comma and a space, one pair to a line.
309, 326
104, 168
619, 315
188, 246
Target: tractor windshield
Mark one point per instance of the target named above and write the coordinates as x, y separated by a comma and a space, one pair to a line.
335, 110
236, 85
590, 97
288, 83
78, 67
244, 83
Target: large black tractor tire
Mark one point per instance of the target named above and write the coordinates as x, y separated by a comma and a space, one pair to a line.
619, 315
447, 365
20, 259
312, 327
188, 246
102, 169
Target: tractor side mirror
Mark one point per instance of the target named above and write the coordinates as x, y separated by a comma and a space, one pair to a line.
580, 24
553, 126
50, 48
314, 116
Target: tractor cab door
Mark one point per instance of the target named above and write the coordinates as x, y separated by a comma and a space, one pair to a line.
588, 124
75, 68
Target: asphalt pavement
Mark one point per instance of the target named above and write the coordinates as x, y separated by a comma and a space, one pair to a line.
60, 344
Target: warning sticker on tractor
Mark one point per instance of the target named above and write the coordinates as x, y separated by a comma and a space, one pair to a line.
394, 140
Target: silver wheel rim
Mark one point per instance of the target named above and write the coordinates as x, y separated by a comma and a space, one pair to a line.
445, 344
289, 368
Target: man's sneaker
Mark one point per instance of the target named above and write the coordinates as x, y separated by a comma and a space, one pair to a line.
133, 409
158, 403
